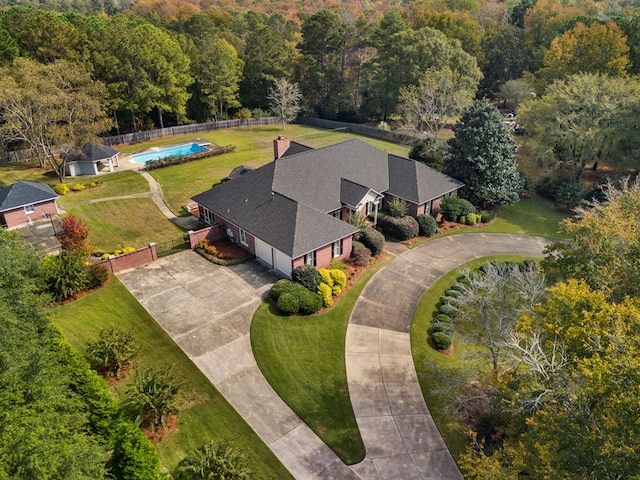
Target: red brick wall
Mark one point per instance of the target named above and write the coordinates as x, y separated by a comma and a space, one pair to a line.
17, 217
212, 233
324, 255
131, 259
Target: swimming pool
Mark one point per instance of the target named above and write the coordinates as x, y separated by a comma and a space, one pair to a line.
180, 150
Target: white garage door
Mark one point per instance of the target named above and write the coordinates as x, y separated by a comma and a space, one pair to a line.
283, 263
263, 252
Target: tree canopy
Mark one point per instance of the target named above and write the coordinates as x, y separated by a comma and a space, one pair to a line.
482, 156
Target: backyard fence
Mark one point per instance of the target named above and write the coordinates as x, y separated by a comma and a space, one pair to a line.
170, 247
147, 135
359, 129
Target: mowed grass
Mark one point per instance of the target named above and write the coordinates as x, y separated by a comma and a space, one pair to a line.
115, 184
441, 376
254, 147
204, 414
302, 357
123, 223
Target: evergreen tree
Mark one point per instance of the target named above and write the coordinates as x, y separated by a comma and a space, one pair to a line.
482, 156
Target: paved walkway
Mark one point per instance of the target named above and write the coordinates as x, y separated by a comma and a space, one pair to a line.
401, 439
208, 309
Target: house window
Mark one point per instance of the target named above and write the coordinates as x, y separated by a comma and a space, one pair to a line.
338, 214
310, 259
243, 238
427, 207
207, 216
337, 248
29, 209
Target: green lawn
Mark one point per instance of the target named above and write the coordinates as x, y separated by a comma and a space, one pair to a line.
126, 223
303, 360
204, 414
441, 375
254, 147
111, 185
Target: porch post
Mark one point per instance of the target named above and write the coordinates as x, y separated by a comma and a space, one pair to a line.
375, 213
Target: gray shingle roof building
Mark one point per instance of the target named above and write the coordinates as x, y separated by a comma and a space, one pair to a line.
287, 203
20, 194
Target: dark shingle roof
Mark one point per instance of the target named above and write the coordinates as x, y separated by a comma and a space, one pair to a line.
239, 171
288, 225
416, 182
91, 152
20, 194
285, 203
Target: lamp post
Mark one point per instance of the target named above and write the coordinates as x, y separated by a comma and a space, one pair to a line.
48, 215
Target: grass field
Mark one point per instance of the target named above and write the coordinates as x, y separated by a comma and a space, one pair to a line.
125, 223
112, 185
303, 360
204, 414
440, 375
254, 147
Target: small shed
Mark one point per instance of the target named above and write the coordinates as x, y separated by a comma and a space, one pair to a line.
91, 159
25, 202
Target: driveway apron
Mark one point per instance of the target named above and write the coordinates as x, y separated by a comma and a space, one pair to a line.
401, 440
207, 310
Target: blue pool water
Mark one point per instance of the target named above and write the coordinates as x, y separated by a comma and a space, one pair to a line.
180, 150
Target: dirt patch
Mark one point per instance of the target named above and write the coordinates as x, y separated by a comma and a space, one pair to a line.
160, 433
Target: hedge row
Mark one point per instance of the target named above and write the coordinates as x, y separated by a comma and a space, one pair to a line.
293, 298
401, 228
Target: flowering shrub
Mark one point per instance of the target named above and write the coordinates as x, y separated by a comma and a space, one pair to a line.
78, 187
326, 294
211, 249
61, 188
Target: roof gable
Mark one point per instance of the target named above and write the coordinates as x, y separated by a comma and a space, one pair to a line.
22, 193
91, 152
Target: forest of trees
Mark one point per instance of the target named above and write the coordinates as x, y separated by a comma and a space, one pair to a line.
166, 63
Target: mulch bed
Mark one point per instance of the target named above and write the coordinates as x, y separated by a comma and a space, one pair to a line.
160, 432
231, 250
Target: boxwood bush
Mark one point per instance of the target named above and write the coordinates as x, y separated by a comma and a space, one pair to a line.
326, 293
428, 226
288, 303
401, 228
281, 286
307, 276
450, 208
372, 239
442, 327
441, 340
310, 302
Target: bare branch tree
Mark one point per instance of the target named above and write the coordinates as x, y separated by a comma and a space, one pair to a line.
284, 100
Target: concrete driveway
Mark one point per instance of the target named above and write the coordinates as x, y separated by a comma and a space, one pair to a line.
400, 437
207, 310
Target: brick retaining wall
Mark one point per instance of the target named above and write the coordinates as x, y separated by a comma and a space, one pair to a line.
136, 258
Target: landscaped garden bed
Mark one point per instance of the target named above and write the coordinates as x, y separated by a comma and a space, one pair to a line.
223, 252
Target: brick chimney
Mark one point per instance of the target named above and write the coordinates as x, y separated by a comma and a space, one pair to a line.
280, 145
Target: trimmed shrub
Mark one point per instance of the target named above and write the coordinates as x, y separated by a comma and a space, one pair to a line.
61, 188
373, 240
339, 278
307, 276
361, 254
447, 309
401, 228
326, 276
466, 207
337, 264
487, 215
450, 208
78, 187
281, 286
310, 302
442, 318
442, 327
472, 219
462, 220
97, 275
427, 225
288, 303
336, 290
326, 294
441, 340
398, 207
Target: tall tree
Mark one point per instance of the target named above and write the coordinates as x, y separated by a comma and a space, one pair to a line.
604, 244
439, 97
322, 43
284, 100
501, 57
482, 156
593, 49
582, 119
53, 108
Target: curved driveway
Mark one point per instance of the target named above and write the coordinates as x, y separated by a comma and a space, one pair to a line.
401, 439
208, 309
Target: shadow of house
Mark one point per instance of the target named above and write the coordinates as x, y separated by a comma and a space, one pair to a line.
91, 159
23, 203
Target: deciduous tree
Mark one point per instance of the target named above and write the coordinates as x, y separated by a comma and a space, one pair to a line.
284, 100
